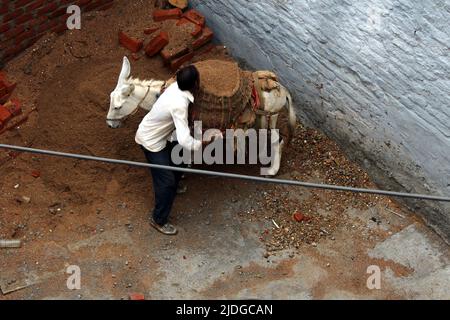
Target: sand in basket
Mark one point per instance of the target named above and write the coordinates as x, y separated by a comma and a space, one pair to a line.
225, 91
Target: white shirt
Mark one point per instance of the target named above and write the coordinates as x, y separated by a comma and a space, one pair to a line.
169, 113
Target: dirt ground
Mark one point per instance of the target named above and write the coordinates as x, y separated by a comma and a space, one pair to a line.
237, 239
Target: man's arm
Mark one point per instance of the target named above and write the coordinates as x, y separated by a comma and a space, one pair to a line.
180, 119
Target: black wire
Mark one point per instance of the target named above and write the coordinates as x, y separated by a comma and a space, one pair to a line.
229, 175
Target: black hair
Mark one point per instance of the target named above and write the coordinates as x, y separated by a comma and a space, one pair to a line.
188, 78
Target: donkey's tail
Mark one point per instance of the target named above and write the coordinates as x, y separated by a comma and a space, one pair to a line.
292, 116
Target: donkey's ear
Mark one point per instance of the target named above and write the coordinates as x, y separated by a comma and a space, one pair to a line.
127, 90
125, 72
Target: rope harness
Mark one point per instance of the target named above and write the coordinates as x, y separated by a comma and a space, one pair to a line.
139, 105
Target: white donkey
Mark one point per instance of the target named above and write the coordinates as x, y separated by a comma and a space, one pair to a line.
131, 94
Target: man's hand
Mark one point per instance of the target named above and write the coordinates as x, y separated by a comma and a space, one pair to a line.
211, 136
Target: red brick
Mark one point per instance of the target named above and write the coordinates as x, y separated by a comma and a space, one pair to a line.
63, 19
173, 53
299, 217
4, 9
195, 16
183, 21
34, 39
197, 29
35, 174
13, 32
21, 3
206, 36
24, 36
4, 27
57, 13
36, 4
19, 47
205, 49
150, 30
5, 115
66, 3
136, 297
132, 44
24, 18
10, 52
14, 107
177, 63
48, 8
6, 97
96, 4
60, 27
161, 15
92, 6
157, 44
12, 15
105, 6
32, 23
48, 25
82, 3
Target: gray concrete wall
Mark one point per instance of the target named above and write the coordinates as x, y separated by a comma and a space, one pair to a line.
372, 74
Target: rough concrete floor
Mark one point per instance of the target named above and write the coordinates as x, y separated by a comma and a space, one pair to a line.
218, 255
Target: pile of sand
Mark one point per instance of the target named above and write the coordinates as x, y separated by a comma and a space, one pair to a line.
225, 93
219, 78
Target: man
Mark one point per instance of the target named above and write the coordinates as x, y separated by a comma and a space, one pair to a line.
156, 137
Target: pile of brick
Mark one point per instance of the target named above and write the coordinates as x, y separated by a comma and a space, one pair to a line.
9, 108
175, 35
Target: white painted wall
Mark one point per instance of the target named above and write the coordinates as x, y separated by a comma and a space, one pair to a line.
372, 74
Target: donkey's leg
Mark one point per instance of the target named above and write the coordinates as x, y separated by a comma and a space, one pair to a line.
261, 122
275, 167
273, 121
277, 148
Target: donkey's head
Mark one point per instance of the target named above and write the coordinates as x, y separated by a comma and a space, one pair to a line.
129, 95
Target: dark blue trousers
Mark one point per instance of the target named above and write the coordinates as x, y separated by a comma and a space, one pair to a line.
165, 182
